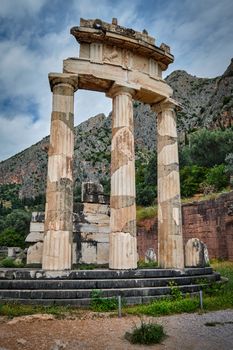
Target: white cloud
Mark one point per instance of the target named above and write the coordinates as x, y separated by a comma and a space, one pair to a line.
199, 33
20, 8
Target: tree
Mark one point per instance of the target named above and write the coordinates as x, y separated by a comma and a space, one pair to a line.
209, 148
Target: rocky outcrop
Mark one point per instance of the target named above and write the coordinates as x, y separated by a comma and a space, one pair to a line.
206, 102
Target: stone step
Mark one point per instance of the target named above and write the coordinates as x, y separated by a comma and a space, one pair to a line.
104, 283
36, 274
86, 293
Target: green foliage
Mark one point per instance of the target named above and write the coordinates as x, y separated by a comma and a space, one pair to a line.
9, 237
19, 220
166, 307
14, 228
146, 213
146, 179
217, 177
100, 304
147, 265
190, 179
147, 333
9, 262
10, 192
175, 291
226, 99
217, 297
209, 148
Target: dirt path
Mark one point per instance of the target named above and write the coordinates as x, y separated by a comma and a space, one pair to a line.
91, 331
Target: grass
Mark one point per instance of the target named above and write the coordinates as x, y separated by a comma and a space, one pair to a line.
147, 265
13, 310
215, 298
146, 213
100, 304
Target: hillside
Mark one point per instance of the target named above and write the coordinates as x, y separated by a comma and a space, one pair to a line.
206, 103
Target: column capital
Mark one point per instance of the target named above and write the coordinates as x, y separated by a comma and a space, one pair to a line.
166, 104
117, 89
63, 79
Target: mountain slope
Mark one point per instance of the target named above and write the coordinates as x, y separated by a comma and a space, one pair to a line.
206, 102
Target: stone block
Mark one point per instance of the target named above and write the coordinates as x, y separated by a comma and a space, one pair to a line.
34, 253
92, 228
38, 216
34, 237
88, 253
196, 253
102, 253
13, 252
96, 208
100, 237
36, 226
150, 256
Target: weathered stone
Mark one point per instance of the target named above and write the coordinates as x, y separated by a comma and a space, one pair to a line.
34, 253
170, 239
14, 252
34, 237
126, 65
93, 192
37, 216
196, 253
150, 256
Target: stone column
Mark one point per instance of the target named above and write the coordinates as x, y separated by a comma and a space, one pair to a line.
123, 243
170, 240
59, 195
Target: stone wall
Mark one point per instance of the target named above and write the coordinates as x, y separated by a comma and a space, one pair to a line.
211, 221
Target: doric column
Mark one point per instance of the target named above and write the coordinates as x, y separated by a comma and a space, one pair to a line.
170, 240
59, 195
123, 243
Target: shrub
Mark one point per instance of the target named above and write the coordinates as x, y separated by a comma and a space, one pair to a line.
191, 178
10, 238
209, 148
217, 177
147, 333
9, 262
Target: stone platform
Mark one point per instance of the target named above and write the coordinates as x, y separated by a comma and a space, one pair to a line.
74, 287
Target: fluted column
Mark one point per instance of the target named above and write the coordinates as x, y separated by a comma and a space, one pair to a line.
170, 240
123, 244
57, 249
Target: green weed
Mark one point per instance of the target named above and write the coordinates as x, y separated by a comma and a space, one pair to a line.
100, 304
147, 333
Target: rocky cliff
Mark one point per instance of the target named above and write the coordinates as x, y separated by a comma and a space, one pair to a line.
206, 103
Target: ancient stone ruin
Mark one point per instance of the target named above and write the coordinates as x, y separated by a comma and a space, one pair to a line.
126, 65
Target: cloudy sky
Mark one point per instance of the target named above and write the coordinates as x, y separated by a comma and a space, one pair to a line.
34, 39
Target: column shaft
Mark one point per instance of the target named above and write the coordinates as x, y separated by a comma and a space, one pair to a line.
170, 240
123, 244
59, 195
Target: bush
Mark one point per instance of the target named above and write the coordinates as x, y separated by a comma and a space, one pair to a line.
209, 148
191, 177
217, 177
10, 238
9, 262
147, 333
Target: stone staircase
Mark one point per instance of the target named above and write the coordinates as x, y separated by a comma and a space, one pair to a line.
74, 287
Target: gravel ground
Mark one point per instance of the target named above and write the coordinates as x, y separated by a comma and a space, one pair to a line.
100, 331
